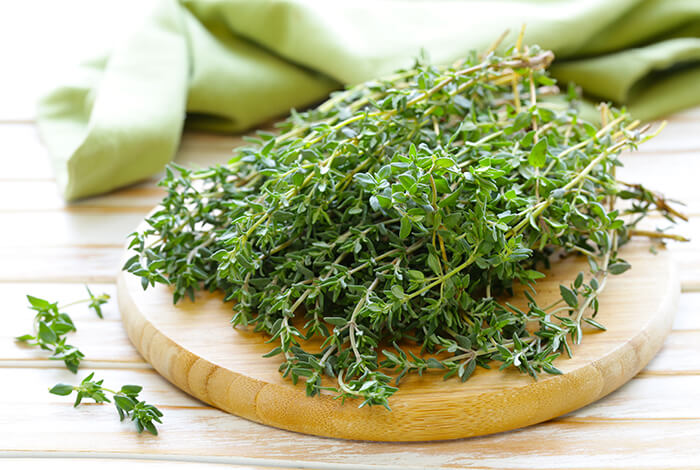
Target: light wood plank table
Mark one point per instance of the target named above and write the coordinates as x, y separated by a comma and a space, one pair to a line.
50, 249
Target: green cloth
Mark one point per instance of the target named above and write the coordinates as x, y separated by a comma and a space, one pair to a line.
228, 65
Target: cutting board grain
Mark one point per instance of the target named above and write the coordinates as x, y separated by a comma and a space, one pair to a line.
194, 347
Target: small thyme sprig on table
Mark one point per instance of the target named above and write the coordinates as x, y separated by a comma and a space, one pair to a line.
51, 327
387, 222
126, 401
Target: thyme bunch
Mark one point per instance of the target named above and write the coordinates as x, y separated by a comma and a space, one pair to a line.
376, 235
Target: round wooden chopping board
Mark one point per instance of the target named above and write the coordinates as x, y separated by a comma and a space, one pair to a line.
195, 348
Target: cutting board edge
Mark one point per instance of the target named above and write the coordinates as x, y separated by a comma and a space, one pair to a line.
287, 406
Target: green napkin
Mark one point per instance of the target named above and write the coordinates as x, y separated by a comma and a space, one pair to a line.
226, 66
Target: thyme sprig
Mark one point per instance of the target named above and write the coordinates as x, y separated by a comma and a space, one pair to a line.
378, 234
51, 326
126, 401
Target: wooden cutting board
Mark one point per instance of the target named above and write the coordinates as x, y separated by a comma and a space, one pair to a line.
195, 348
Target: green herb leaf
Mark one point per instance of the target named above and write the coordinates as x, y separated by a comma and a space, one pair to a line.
594, 323
538, 154
619, 267
46, 334
405, 227
61, 389
37, 303
569, 296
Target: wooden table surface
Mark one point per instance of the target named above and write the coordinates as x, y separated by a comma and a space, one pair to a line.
50, 249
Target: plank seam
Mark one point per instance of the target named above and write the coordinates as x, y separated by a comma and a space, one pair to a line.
75, 245
668, 373
259, 462
48, 364
230, 460
88, 279
603, 419
86, 209
666, 151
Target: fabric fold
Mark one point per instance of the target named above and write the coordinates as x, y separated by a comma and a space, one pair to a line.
228, 65
119, 119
